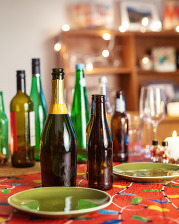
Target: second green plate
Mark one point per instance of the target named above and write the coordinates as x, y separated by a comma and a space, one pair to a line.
147, 172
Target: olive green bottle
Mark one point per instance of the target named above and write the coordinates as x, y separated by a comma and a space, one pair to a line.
22, 122
80, 113
40, 107
4, 149
58, 141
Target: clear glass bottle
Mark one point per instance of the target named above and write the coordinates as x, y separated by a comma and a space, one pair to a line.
4, 149
22, 120
164, 153
80, 113
40, 107
100, 153
119, 129
103, 89
58, 141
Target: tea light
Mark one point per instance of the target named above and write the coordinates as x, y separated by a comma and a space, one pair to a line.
173, 145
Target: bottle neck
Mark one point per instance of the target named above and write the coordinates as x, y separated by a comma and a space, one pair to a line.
104, 90
36, 82
99, 111
120, 105
92, 107
80, 78
57, 92
1, 103
21, 84
35, 70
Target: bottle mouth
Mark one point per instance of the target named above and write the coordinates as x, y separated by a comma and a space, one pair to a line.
58, 73
98, 98
20, 74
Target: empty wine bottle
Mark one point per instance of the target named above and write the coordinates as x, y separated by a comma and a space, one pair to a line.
22, 119
100, 153
119, 129
3, 129
80, 113
58, 141
40, 107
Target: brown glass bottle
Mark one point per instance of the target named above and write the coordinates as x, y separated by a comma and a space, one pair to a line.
119, 129
100, 158
58, 141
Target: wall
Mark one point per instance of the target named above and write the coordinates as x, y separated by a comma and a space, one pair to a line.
27, 30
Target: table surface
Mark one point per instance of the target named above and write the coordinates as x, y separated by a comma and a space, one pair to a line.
158, 203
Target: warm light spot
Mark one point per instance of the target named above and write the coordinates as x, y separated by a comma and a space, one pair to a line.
122, 29
57, 47
89, 67
65, 27
145, 60
145, 21
174, 134
105, 53
156, 26
177, 29
106, 36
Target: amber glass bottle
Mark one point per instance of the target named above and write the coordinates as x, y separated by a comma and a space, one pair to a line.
22, 119
119, 129
58, 141
100, 158
88, 127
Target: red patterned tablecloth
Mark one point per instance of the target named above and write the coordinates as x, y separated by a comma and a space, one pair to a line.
132, 202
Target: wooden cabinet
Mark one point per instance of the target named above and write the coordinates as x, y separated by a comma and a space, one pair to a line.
81, 45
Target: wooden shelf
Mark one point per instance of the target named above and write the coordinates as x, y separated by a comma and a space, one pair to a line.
154, 73
105, 71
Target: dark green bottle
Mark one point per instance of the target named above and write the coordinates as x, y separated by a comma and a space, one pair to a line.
80, 113
40, 107
22, 119
58, 141
3, 129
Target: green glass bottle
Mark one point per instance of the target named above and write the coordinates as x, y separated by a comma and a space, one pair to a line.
22, 120
40, 107
58, 141
3, 129
80, 113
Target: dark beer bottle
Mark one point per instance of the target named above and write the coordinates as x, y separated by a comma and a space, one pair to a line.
22, 122
119, 129
58, 141
100, 161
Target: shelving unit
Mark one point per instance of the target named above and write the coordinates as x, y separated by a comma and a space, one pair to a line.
128, 76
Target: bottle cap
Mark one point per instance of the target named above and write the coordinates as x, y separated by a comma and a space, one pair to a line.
80, 67
58, 73
164, 143
103, 79
35, 61
155, 142
20, 74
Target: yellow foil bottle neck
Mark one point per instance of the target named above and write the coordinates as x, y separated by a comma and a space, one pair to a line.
58, 105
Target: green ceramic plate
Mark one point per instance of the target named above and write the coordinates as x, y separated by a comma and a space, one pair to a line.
147, 172
60, 202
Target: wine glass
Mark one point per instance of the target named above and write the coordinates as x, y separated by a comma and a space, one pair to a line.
152, 106
155, 107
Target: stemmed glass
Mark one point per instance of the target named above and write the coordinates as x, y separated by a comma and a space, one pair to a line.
152, 106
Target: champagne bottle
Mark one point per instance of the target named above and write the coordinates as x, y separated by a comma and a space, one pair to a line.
119, 129
80, 113
100, 156
4, 149
22, 119
58, 141
40, 107
103, 89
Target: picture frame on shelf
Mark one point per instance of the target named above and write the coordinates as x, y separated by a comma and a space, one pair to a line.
139, 16
171, 14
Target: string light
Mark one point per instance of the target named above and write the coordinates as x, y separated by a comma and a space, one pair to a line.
106, 36
66, 27
89, 67
105, 53
177, 29
57, 46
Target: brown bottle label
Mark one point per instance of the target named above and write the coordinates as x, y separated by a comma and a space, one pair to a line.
13, 131
58, 109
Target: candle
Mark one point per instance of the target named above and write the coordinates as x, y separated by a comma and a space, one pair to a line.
173, 145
